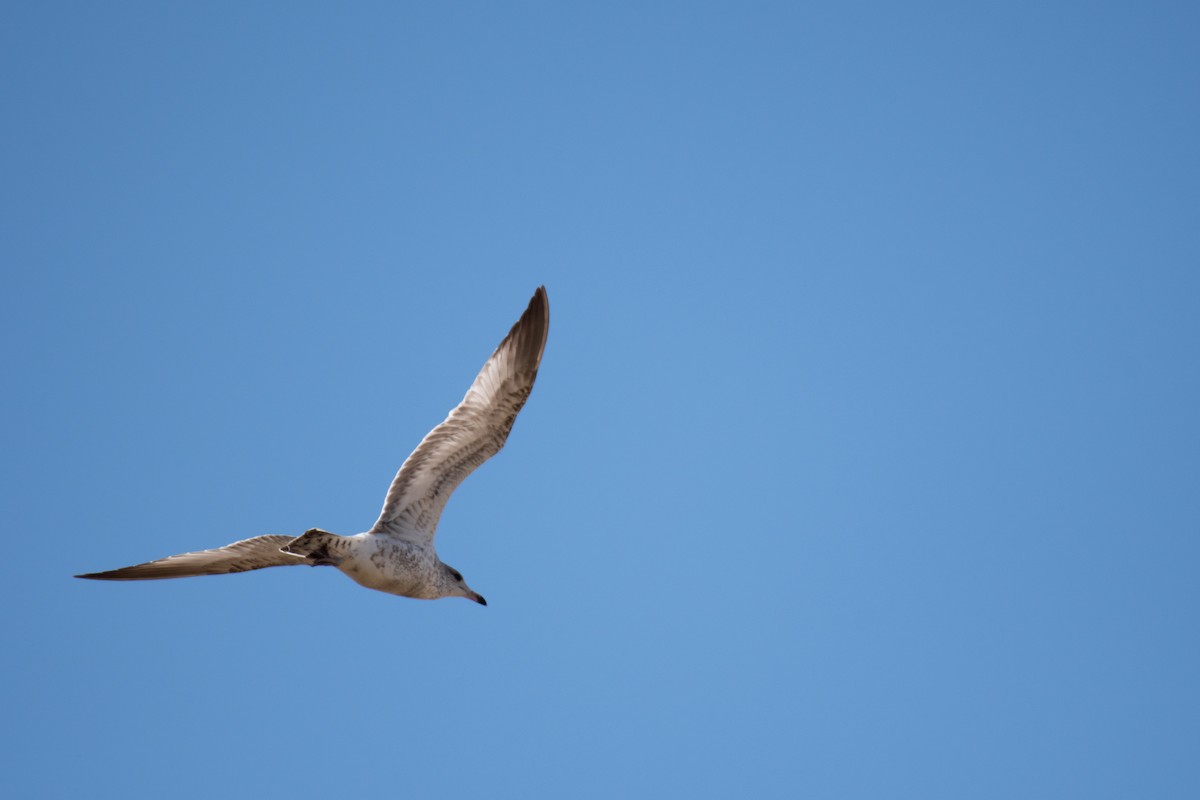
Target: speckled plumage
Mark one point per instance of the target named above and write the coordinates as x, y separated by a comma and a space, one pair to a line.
397, 555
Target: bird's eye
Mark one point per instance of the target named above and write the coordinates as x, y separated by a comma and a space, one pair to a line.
457, 575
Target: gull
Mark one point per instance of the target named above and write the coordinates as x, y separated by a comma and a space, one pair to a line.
397, 555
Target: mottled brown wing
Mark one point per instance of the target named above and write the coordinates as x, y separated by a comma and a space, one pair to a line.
475, 430
248, 554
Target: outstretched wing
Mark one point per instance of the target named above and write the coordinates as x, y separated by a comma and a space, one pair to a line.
474, 432
248, 554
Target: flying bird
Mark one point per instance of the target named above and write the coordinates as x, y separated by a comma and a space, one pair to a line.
397, 555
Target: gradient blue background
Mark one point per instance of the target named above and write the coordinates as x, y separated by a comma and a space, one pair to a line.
864, 460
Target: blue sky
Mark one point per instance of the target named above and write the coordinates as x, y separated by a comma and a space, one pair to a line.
863, 461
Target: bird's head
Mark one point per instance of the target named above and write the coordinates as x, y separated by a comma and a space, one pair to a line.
453, 585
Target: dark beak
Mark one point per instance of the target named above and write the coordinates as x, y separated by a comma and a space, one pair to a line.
479, 599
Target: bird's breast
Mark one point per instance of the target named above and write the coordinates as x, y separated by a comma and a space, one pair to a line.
392, 566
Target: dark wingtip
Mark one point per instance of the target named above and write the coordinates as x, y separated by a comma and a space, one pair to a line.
537, 316
531, 330
538, 304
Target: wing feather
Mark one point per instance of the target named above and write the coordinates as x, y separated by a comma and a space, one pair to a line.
243, 556
473, 432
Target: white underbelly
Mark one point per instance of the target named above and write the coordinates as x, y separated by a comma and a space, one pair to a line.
392, 567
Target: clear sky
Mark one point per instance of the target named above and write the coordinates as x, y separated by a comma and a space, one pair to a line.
864, 461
